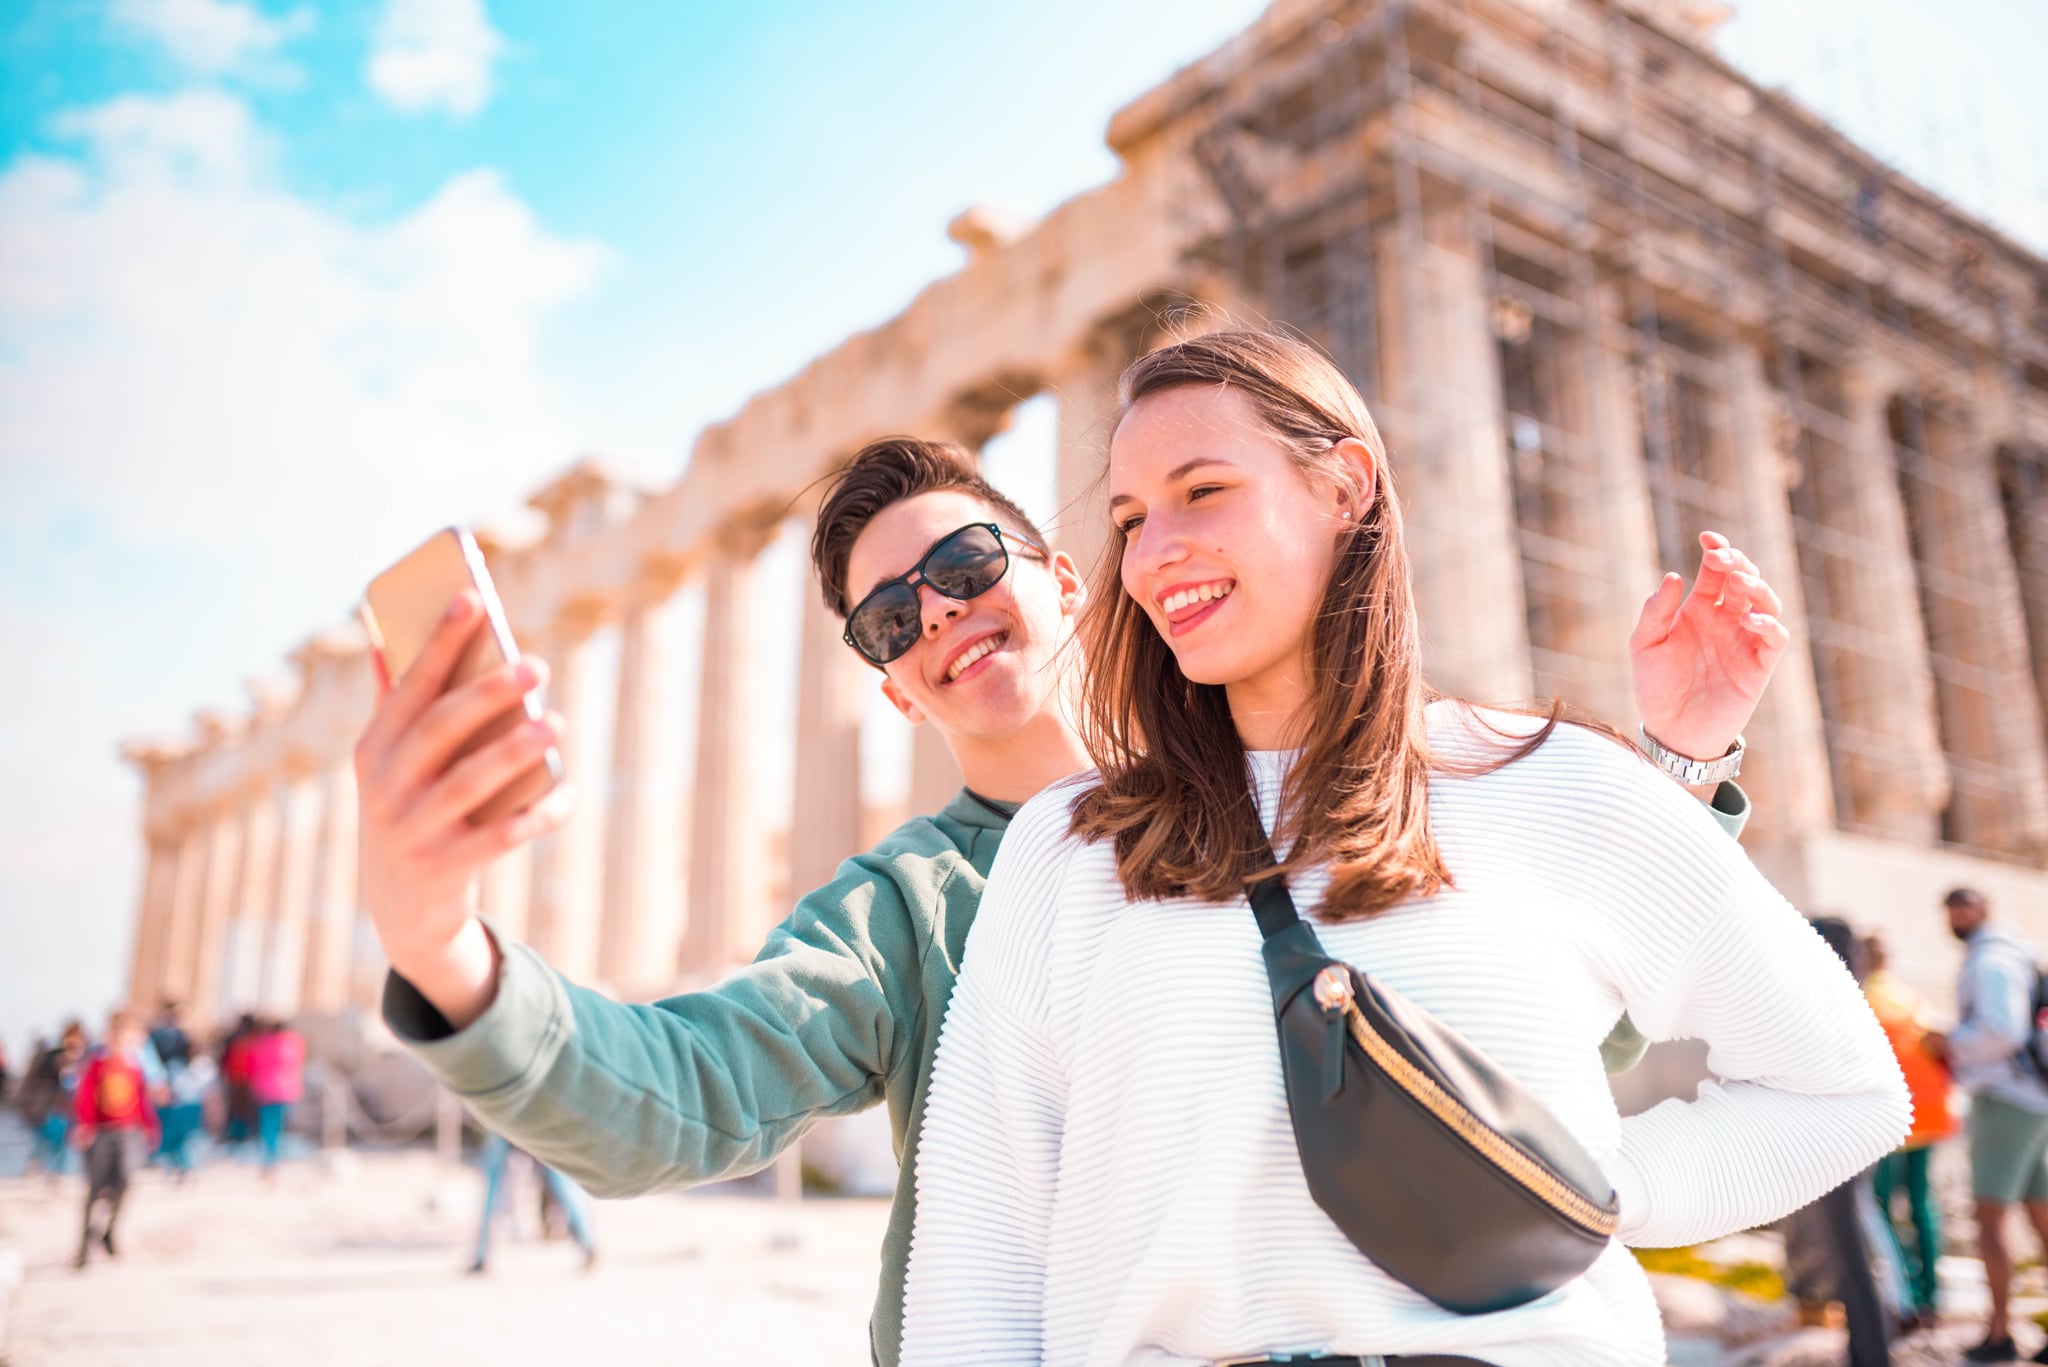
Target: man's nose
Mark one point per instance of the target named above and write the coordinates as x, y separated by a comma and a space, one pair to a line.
936, 608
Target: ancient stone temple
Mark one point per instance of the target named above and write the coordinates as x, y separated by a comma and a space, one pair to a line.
1601, 290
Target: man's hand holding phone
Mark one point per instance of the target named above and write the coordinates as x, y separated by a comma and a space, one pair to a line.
421, 853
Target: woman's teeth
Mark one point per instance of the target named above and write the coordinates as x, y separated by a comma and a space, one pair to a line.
1176, 601
973, 653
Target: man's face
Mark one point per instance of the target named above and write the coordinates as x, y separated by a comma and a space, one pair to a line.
1964, 918
1019, 624
126, 1038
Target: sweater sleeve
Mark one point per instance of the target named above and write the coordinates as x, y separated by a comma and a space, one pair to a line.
1701, 946
989, 1155
632, 1098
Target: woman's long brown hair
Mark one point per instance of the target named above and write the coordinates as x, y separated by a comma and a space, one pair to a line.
1174, 795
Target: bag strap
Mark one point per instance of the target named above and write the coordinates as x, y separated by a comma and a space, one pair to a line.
1272, 903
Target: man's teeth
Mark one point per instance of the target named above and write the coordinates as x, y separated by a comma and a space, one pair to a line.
1176, 601
973, 653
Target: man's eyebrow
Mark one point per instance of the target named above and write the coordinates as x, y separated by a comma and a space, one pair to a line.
1180, 471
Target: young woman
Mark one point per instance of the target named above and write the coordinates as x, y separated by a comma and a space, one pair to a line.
1109, 1173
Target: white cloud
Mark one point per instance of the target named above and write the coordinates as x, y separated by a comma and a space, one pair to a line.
259, 344
434, 54
214, 37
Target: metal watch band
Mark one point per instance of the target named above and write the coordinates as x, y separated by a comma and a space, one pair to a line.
1688, 770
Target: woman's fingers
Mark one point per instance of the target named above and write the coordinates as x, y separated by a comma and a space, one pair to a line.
478, 777
429, 745
1660, 610
1745, 593
1772, 634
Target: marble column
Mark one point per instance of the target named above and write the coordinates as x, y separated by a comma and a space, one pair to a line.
563, 913
728, 848
1597, 504
284, 946
330, 941
1984, 684
1448, 451
2024, 479
1786, 772
367, 964
1890, 773
832, 685
188, 896
642, 923
216, 908
152, 924
254, 889
1087, 388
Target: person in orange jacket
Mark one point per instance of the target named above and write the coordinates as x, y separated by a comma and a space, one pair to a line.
115, 1125
1902, 1012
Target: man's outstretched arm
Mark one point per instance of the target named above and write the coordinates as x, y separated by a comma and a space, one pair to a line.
622, 1097
707, 1085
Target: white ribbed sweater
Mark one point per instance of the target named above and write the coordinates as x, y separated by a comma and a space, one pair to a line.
1108, 1174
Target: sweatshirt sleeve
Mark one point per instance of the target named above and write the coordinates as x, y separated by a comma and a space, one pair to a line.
1701, 946
990, 1150
2001, 991
628, 1099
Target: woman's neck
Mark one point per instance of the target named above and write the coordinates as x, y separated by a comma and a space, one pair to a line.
1269, 709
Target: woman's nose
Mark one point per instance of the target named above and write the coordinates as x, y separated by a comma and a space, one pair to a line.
1157, 545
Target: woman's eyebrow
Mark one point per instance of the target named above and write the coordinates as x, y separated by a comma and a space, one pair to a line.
1180, 471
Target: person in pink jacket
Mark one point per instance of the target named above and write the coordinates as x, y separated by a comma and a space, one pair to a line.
277, 1065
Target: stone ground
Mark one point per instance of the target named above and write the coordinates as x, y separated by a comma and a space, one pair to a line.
361, 1258
364, 1262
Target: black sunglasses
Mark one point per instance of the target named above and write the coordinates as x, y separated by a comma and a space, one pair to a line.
961, 565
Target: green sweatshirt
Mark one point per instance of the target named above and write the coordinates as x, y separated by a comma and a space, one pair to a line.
840, 1011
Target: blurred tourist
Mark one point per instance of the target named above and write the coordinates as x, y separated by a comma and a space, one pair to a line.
1902, 1012
568, 1197
167, 1036
238, 1125
116, 1125
183, 1114
46, 1098
276, 1073
1989, 1052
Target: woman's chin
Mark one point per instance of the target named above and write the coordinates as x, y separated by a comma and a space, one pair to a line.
1203, 667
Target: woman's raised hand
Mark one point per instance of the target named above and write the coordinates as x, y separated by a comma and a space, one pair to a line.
420, 855
1701, 659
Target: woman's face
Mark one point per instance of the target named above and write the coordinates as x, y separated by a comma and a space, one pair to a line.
1227, 545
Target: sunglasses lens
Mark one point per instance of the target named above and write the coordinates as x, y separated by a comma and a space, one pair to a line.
967, 564
887, 624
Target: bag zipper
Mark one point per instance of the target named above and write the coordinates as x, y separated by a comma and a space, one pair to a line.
1333, 993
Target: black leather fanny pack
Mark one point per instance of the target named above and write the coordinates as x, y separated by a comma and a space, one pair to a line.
1441, 1168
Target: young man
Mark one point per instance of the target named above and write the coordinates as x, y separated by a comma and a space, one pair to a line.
116, 1125
951, 592
2008, 1121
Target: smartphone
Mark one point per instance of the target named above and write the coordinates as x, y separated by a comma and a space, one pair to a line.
401, 609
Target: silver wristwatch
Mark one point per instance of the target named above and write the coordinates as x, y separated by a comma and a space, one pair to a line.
1691, 771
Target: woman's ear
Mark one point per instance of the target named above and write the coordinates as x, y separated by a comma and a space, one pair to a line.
1355, 498
912, 713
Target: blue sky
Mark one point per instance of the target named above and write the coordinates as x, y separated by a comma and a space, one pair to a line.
282, 286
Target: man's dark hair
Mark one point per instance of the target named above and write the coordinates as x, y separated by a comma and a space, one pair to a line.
886, 472
1965, 897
